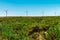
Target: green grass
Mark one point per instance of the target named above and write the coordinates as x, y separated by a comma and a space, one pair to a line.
17, 28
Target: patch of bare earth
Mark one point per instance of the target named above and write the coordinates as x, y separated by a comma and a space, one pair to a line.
41, 38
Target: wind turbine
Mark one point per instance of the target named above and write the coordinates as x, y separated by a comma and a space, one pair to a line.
55, 13
6, 11
26, 12
42, 13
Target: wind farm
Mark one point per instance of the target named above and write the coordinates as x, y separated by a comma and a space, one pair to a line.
29, 20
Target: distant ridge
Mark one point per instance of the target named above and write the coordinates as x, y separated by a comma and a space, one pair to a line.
29, 16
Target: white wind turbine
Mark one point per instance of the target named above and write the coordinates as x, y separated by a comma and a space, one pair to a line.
6, 11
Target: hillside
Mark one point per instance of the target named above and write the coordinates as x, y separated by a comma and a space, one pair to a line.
30, 28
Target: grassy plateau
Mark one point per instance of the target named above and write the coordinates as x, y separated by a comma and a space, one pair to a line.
30, 28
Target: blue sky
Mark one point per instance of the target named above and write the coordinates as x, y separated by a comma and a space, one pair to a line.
34, 7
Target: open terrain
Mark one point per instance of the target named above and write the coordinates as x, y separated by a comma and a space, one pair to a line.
30, 28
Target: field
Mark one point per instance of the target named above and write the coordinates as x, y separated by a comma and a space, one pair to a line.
30, 28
